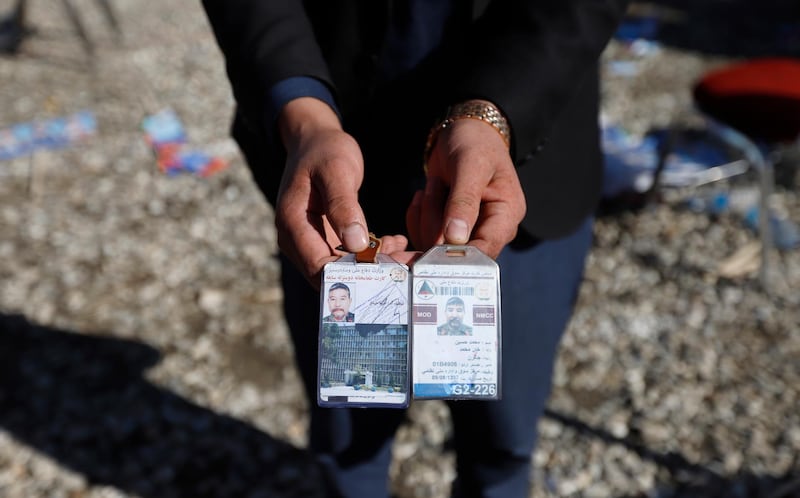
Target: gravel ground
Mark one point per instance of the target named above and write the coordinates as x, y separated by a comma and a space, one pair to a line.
143, 351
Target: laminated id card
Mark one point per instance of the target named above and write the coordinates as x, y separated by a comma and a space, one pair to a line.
456, 335
363, 333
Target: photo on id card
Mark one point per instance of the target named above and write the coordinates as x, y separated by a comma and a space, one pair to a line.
363, 335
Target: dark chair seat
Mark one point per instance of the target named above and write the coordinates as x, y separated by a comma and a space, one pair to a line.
759, 97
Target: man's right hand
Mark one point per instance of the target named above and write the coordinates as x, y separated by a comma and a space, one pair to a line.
317, 208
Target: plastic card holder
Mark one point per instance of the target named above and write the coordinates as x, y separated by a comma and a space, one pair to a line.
456, 333
363, 334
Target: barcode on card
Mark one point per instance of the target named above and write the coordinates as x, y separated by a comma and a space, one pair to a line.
455, 291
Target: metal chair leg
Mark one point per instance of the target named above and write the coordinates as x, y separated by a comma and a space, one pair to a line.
766, 179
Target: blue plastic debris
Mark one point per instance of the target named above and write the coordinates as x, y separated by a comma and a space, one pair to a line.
743, 203
163, 128
634, 28
166, 135
26, 138
692, 160
785, 233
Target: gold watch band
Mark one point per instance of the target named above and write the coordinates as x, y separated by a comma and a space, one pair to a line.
471, 109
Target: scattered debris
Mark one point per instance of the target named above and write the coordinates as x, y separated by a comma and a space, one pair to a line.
25, 138
166, 135
745, 261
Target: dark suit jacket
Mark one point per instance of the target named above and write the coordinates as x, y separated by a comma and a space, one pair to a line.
536, 59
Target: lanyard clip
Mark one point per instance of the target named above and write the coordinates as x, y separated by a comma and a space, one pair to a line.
370, 254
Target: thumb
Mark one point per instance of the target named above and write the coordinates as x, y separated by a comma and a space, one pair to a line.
461, 210
345, 214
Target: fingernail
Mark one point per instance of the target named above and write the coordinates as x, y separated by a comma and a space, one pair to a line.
355, 237
457, 232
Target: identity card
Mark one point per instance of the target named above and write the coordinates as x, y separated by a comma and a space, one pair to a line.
363, 333
456, 333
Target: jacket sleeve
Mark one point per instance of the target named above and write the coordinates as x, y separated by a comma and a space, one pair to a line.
264, 42
527, 56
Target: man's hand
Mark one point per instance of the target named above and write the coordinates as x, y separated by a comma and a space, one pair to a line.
317, 208
472, 195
